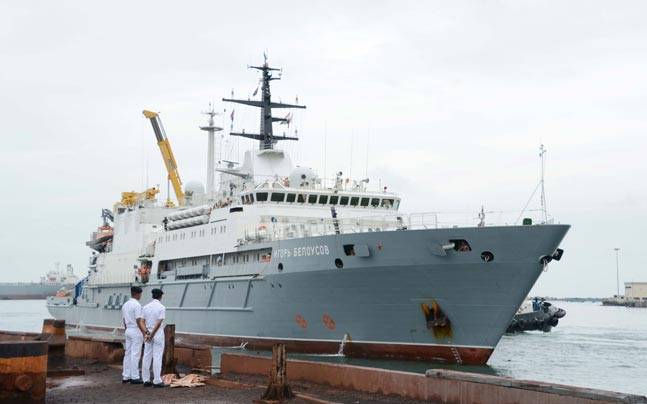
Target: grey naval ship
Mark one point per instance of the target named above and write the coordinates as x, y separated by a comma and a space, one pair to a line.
49, 285
271, 252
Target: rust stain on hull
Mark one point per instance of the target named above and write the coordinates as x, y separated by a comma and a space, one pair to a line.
437, 320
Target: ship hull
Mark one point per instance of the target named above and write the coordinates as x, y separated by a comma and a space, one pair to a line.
405, 299
28, 291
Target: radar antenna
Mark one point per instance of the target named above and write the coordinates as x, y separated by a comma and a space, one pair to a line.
266, 137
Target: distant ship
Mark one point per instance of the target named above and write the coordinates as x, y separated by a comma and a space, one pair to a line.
277, 253
49, 285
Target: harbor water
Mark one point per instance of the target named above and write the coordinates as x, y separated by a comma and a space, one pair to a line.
593, 346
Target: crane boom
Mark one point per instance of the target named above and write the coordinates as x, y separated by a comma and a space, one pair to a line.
167, 155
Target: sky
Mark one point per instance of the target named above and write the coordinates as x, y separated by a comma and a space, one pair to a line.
445, 103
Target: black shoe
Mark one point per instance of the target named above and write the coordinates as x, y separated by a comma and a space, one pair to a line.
136, 381
148, 384
124, 381
160, 385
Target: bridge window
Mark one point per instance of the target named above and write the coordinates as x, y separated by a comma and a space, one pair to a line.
301, 198
354, 201
261, 196
387, 203
364, 202
312, 198
290, 198
323, 199
277, 196
375, 202
247, 199
334, 199
343, 200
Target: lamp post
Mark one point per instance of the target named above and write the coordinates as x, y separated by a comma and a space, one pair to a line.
617, 250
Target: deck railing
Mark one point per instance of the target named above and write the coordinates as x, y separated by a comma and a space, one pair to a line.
272, 228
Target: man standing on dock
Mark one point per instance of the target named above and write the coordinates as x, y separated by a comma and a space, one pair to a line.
131, 313
154, 314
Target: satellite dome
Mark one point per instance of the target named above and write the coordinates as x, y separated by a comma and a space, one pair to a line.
302, 177
194, 187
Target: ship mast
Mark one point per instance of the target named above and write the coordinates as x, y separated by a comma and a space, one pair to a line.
210, 129
266, 136
544, 209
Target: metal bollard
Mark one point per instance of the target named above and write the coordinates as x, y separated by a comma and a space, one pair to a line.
278, 389
53, 332
168, 359
23, 371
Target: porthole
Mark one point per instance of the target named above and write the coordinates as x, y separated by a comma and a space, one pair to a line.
280, 266
487, 256
339, 263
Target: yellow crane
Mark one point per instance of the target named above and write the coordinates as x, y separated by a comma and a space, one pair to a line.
167, 155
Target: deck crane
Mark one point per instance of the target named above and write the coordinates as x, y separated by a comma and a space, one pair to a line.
167, 156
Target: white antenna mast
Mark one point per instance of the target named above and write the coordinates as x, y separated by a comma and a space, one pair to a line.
325, 136
544, 209
368, 139
210, 129
350, 169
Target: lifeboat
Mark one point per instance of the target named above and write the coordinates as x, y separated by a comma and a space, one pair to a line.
100, 238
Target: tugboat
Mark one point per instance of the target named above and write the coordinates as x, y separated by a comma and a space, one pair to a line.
536, 315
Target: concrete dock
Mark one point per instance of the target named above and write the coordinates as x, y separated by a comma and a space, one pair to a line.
85, 367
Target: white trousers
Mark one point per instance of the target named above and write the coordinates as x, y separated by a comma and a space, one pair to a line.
132, 353
153, 351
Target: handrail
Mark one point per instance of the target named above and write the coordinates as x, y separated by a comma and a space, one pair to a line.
271, 228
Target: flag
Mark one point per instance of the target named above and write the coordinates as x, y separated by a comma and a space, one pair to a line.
232, 115
287, 119
255, 92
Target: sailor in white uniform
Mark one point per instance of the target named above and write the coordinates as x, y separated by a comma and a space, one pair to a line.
154, 314
131, 313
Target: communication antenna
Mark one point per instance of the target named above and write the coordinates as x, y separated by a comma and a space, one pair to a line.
544, 209
350, 170
266, 137
540, 187
211, 129
368, 139
325, 140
